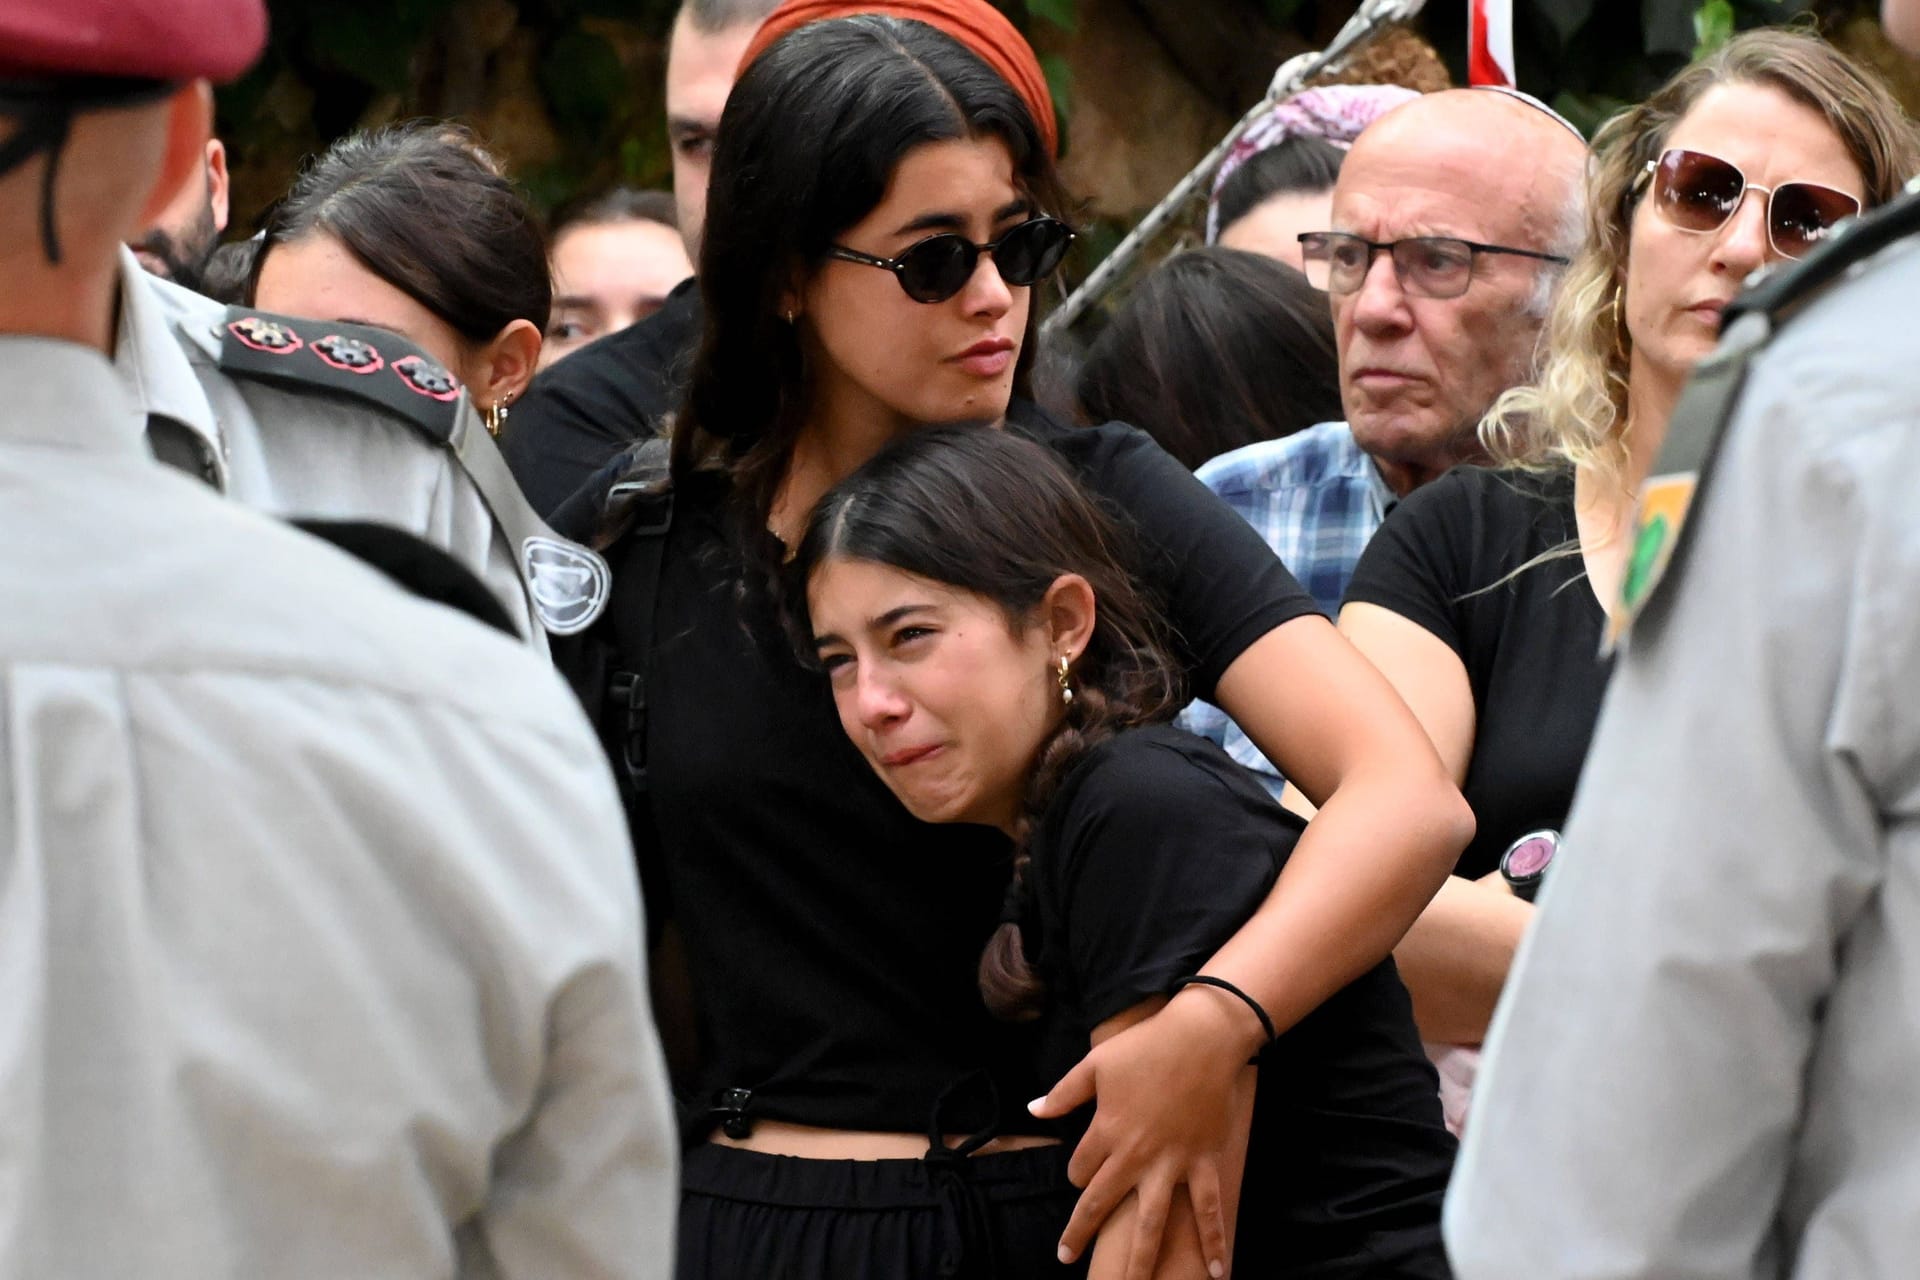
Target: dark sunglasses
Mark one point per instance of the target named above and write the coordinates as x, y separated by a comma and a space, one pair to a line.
938, 267
1699, 192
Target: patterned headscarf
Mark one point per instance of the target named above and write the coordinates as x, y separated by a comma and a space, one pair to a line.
1333, 113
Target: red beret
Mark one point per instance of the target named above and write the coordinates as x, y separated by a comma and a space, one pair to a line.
170, 40
974, 23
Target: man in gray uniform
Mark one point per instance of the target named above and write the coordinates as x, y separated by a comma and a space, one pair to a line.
320, 948
1707, 1063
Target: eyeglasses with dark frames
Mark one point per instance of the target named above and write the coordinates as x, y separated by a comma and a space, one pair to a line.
1426, 266
937, 268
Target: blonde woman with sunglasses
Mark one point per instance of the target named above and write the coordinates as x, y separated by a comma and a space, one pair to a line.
1484, 596
1742, 160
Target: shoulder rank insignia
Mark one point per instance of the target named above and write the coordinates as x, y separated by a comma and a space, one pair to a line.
423, 377
325, 356
350, 354
257, 333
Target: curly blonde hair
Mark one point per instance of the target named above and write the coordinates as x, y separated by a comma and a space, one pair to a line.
1576, 413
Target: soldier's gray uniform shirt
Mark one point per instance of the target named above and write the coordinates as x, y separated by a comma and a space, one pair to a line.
290, 455
1707, 1060
319, 935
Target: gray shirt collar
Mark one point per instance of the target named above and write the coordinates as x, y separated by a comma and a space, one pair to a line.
153, 366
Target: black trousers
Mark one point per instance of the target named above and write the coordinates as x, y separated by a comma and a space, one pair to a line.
749, 1216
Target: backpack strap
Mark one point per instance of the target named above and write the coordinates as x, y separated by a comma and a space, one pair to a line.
609, 663
643, 554
625, 510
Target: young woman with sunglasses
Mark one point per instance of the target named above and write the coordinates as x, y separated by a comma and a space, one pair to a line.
856, 1111
994, 664
1485, 595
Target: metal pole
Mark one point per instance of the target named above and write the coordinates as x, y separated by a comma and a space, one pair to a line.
1367, 21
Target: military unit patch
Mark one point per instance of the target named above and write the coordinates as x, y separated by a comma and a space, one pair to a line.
569, 584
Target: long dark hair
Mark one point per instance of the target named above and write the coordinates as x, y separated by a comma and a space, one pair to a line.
990, 513
424, 207
809, 140
1215, 349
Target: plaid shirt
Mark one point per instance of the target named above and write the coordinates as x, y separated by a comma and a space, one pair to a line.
1316, 498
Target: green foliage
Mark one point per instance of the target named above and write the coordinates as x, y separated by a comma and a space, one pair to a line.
1061, 13
1715, 21
634, 161
1590, 58
653, 15
1590, 110
596, 69
582, 81
1059, 82
1712, 26
372, 43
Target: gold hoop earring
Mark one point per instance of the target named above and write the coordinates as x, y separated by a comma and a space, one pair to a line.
495, 415
788, 315
1066, 685
1619, 323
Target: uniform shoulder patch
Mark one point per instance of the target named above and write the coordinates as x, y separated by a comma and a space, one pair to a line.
568, 584
371, 365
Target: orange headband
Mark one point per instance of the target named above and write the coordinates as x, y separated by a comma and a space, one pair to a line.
974, 23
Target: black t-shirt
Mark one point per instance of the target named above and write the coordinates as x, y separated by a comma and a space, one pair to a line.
603, 397
832, 938
1530, 644
1158, 847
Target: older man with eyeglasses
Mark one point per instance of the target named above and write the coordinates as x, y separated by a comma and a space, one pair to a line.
1451, 219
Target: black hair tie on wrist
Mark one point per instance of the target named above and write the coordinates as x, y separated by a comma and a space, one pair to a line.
1206, 980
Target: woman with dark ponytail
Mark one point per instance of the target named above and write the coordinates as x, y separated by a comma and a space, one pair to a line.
882, 215
994, 664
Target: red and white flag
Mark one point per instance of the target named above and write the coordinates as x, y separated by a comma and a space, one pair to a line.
1490, 43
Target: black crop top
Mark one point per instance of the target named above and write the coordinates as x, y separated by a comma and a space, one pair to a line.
833, 939
1155, 850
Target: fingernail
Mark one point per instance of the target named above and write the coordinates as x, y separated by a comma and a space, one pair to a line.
1064, 1254
1216, 1269
1033, 1108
